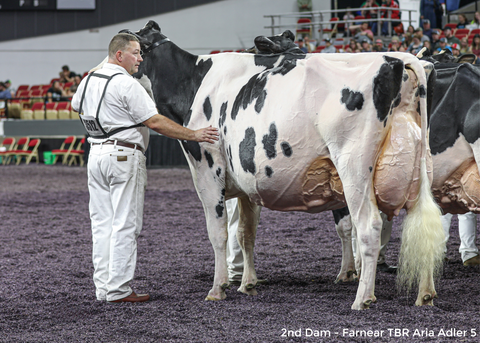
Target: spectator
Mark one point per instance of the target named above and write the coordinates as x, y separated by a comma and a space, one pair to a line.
419, 32
394, 15
66, 75
12, 90
427, 44
407, 39
416, 45
410, 29
353, 46
462, 21
456, 49
435, 38
4, 92
329, 48
308, 44
55, 93
362, 32
442, 45
427, 30
449, 36
366, 47
475, 47
475, 24
369, 14
394, 44
379, 46
348, 16
301, 46
428, 9
464, 48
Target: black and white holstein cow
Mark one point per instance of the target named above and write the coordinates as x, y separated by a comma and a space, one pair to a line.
292, 126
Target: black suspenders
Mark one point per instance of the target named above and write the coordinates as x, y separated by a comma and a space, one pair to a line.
88, 123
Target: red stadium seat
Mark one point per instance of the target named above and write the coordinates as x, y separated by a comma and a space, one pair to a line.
304, 27
7, 146
332, 20
65, 149
22, 144
77, 152
30, 152
213, 52
453, 26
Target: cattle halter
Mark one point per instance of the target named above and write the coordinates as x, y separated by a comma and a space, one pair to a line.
154, 45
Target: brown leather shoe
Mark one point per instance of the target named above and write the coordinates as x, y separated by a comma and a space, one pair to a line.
132, 298
474, 261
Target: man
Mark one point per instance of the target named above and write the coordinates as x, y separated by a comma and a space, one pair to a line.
421, 35
467, 229
4, 92
450, 37
119, 135
435, 38
66, 75
441, 45
379, 46
366, 47
301, 46
427, 30
329, 48
455, 50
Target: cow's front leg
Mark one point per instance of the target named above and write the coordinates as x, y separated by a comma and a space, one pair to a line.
343, 225
246, 233
368, 234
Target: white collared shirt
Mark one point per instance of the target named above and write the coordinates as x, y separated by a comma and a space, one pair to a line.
125, 103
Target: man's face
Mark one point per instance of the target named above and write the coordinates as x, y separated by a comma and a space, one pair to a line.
130, 58
448, 33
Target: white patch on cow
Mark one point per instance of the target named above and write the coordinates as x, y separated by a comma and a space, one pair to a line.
147, 84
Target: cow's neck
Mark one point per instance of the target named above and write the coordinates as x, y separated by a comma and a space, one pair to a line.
175, 78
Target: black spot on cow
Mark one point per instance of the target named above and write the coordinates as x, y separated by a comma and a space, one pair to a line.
266, 60
340, 214
386, 85
229, 154
286, 149
269, 141
219, 171
418, 109
247, 151
223, 192
219, 209
254, 90
405, 77
397, 100
207, 108
193, 148
268, 171
209, 158
225, 130
422, 91
370, 168
223, 114
352, 100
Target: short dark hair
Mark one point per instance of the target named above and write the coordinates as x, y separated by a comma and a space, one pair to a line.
65, 67
119, 42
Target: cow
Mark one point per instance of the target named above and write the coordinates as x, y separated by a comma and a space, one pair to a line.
454, 133
304, 133
445, 56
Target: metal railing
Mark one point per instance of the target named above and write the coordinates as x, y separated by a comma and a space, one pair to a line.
318, 24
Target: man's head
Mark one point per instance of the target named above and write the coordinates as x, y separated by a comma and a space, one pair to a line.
328, 42
435, 35
124, 50
455, 49
379, 43
419, 31
443, 42
426, 24
447, 31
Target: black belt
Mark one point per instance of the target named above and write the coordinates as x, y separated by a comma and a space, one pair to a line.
119, 143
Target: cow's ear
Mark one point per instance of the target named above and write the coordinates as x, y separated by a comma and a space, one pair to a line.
467, 58
265, 45
289, 35
153, 25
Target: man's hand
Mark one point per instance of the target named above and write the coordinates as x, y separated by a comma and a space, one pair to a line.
207, 134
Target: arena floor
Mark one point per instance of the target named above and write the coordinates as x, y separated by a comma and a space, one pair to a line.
47, 295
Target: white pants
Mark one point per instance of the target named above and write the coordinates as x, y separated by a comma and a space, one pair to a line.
234, 252
467, 229
117, 178
384, 239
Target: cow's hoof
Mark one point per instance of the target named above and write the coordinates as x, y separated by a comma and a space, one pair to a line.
427, 299
248, 289
216, 297
225, 286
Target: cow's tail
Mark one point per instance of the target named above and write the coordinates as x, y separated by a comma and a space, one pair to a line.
423, 239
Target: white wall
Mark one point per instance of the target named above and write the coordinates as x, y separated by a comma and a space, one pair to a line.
228, 24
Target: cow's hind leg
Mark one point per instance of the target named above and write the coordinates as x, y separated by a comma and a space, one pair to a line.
246, 233
343, 225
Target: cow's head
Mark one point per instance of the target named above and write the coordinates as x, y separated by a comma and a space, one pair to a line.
445, 56
150, 36
277, 44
